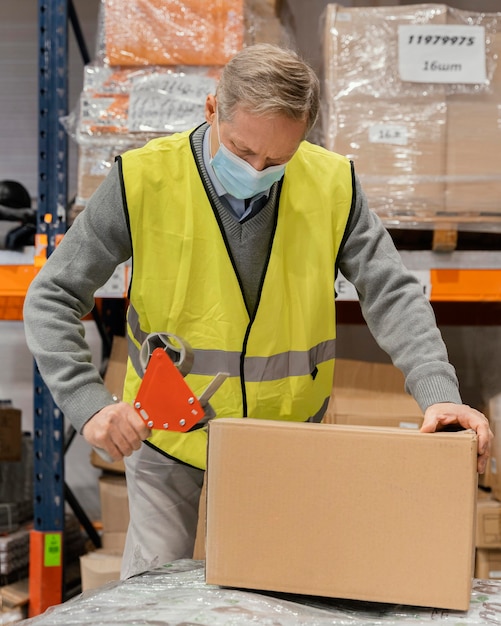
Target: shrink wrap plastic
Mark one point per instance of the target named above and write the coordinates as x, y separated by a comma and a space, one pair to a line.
156, 61
177, 594
424, 152
149, 100
172, 32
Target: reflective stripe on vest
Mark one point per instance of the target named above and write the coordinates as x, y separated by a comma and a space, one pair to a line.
257, 368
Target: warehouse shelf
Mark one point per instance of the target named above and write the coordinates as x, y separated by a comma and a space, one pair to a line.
460, 276
17, 270
50, 441
15, 279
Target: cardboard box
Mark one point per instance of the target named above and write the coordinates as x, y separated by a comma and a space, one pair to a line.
360, 52
488, 563
10, 434
365, 513
114, 503
420, 149
494, 414
167, 32
117, 366
114, 381
116, 467
473, 163
113, 541
488, 533
371, 394
398, 148
99, 567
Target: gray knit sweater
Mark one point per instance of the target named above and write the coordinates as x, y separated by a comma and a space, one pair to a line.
398, 315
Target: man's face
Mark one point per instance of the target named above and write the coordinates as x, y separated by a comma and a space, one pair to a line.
261, 141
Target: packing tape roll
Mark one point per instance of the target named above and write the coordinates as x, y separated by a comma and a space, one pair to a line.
179, 350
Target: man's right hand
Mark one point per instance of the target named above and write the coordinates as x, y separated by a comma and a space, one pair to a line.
117, 429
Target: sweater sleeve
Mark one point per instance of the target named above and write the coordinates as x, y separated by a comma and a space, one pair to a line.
62, 293
397, 313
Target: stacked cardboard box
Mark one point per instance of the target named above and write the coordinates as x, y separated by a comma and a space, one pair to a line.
102, 566
371, 394
170, 32
16, 473
488, 537
10, 432
114, 381
421, 149
114, 510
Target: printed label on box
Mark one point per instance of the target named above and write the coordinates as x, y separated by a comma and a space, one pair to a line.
435, 53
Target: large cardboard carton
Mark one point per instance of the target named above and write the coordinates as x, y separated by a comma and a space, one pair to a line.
371, 394
114, 503
398, 148
473, 163
114, 380
167, 32
488, 532
117, 366
366, 513
393, 130
493, 412
10, 434
488, 563
420, 149
116, 467
99, 567
113, 541
360, 52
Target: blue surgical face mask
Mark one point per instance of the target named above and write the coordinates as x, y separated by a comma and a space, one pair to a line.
238, 177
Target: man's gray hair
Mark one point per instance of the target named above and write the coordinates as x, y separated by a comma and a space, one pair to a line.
267, 79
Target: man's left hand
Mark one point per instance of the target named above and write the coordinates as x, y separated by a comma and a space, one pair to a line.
438, 416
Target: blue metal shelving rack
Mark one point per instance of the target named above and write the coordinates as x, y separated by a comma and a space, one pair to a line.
46, 540
46, 583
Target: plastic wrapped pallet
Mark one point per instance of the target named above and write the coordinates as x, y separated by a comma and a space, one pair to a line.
188, 32
155, 64
122, 108
262, 24
473, 166
399, 151
143, 101
172, 32
420, 148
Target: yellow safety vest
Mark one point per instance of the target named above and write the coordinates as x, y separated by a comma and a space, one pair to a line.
281, 360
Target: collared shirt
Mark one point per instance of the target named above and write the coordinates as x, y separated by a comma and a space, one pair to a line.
240, 209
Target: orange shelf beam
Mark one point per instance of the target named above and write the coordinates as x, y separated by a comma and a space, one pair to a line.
15, 279
465, 285
14, 282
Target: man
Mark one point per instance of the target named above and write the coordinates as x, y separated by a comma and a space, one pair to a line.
236, 230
